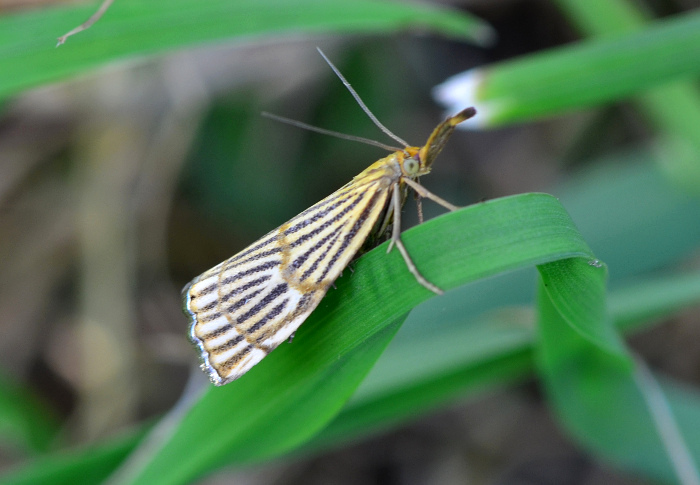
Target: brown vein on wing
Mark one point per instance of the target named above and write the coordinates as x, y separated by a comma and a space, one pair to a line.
336, 198
323, 234
268, 317
327, 225
228, 345
336, 245
258, 286
233, 261
349, 205
299, 261
247, 290
254, 308
234, 360
268, 239
259, 305
322, 203
260, 300
227, 310
237, 291
305, 305
295, 224
240, 267
267, 265
329, 245
367, 217
256, 257
252, 329
268, 327
258, 250
275, 293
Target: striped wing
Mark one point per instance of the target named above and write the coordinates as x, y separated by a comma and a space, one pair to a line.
243, 308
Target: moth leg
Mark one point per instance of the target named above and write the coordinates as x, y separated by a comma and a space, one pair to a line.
395, 207
419, 204
291, 337
423, 192
387, 220
396, 239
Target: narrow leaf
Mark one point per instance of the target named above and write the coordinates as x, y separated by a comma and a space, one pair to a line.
580, 76
133, 28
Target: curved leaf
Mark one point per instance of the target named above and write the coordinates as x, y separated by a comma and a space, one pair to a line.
602, 403
295, 391
474, 351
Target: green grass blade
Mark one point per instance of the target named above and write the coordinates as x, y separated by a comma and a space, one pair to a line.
85, 466
673, 109
666, 424
300, 387
626, 209
576, 288
134, 28
272, 409
648, 301
491, 350
25, 424
497, 349
584, 75
603, 17
458, 358
600, 402
625, 214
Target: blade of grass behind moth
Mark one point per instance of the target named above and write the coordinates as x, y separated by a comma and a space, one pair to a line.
133, 29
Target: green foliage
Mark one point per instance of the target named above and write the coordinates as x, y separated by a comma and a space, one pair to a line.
133, 29
290, 395
590, 73
380, 349
24, 421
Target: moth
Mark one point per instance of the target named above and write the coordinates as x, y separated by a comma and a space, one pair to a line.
243, 308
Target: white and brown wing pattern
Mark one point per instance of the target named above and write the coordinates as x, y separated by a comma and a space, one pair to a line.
243, 308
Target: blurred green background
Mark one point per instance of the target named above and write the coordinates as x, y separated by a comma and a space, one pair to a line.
134, 157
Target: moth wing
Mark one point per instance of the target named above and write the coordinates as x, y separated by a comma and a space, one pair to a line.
243, 308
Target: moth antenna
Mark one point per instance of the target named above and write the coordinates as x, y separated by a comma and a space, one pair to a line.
323, 131
360, 102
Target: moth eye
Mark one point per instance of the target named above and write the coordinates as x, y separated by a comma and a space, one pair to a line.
411, 166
